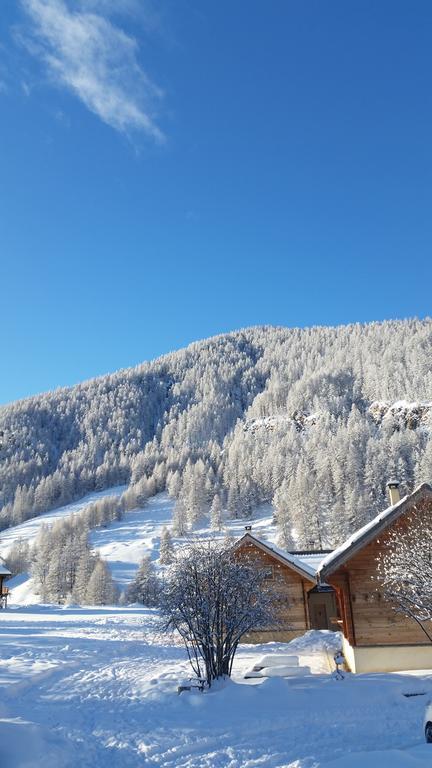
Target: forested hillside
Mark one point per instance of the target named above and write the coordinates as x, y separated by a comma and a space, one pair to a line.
314, 420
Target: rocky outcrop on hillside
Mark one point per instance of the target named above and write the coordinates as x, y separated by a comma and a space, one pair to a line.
300, 419
403, 414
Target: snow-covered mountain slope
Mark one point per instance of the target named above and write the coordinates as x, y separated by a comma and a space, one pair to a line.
321, 416
28, 531
124, 543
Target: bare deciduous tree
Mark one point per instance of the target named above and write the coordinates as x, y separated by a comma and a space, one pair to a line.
212, 598
405, 570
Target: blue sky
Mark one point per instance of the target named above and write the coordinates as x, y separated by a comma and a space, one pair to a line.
176, 169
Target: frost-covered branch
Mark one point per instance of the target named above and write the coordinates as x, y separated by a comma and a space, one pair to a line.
212, 598
405, 569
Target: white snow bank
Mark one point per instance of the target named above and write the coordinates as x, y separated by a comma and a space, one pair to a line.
417, 757
24, 744
316, 640
22, 590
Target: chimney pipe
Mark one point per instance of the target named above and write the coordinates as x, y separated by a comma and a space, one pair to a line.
393, 490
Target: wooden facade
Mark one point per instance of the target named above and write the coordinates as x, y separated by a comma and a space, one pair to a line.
291, 585
344, 594
368, 619
376, 638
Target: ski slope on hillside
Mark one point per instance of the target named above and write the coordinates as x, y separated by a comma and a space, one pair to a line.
28, 531
124, 543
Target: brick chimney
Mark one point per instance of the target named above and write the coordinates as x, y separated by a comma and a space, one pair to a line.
393, 491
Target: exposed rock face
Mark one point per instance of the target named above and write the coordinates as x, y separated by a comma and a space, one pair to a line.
300, 419
408, 415
401, 414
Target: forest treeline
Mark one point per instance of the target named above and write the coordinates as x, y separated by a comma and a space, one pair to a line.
302, 418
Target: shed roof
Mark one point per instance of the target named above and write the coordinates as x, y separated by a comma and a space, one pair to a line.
302, 568
368, 532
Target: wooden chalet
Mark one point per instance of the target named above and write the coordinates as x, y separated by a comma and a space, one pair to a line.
302, 604
376, 638
340, 590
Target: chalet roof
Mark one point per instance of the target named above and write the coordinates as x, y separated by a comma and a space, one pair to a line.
302, 568
368, 532
4, 571
312, 558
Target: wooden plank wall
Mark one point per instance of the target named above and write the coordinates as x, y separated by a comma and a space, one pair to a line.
291, 590
374, 622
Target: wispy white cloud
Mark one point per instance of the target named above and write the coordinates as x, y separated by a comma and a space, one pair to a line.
84, 51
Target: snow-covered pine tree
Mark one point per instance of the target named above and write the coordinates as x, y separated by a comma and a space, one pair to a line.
145, 587
18, 558
40, 560
85, 568
216, 521
101, 589
166, 554
179, 526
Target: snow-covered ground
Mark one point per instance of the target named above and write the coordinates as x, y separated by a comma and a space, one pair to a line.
93, 687
85, 688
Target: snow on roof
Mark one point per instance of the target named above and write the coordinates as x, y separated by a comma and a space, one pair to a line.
296, 562
311, 559
4, 571
315, 564
365, 534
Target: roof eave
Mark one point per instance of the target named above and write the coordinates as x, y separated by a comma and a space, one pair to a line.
405, 503
285, 561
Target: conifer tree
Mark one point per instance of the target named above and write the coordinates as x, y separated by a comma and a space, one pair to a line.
179, 526
85, 568
145, 587
166, 555
216, 514
100, 588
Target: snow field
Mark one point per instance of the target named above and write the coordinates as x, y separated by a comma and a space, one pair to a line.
29, 530
88, 688
91, 687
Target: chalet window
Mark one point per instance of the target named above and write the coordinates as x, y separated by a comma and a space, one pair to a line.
268, 572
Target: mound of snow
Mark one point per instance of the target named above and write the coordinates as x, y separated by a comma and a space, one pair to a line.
24, 744
419, 757
21, 590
